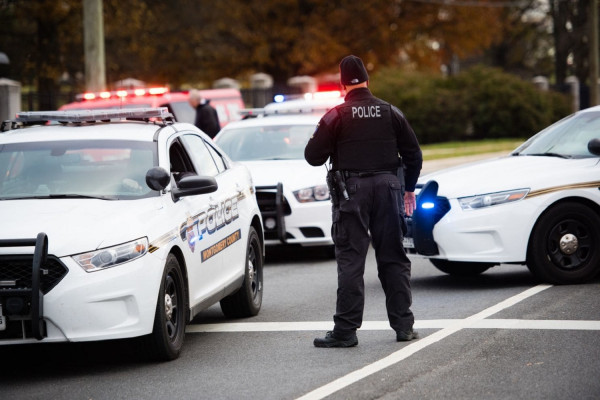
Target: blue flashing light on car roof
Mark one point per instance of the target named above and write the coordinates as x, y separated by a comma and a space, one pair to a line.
279, 98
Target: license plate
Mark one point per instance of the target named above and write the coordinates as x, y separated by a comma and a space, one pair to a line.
408, 243
2, 320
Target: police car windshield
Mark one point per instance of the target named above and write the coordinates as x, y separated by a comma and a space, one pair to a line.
568, 138
281, 142
105, 169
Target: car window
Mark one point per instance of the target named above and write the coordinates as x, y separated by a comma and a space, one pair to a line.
179, 161
218, 159
101, 168
568, 137
200, 155
281, 142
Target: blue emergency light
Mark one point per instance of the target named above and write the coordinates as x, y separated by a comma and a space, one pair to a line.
427, 205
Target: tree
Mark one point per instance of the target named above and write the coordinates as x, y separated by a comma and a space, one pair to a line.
570, 38
526, 45
288, 37
435, 33
39, 37
186, 42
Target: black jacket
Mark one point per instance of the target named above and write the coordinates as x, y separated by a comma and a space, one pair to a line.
207, 119
366, 134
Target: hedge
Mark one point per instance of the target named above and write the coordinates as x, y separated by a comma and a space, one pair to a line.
479, 103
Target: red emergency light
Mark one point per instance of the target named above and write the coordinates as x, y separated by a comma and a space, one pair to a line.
122, 93
330, 94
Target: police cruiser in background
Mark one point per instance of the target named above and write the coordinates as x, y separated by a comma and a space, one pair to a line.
292, 195
539, 206
121, 224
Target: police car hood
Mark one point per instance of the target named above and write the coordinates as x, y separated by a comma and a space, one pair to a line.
513, 172
77, 226
293, 174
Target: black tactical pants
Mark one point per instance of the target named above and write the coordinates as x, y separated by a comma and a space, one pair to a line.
375, 206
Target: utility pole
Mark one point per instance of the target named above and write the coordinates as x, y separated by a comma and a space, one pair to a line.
594, 53
93, 42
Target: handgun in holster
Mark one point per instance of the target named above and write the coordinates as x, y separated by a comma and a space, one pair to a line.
333, 191
337, 186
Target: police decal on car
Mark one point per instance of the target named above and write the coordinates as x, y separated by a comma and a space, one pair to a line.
221, 245
216, 217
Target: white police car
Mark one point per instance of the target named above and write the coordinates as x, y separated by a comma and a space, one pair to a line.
113, 228
539, 206
292, 195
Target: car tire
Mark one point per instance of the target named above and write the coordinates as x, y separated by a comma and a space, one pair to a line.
166, 340
246, 302
459, 268
563, 248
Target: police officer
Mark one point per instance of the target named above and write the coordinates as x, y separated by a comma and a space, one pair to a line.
363, 138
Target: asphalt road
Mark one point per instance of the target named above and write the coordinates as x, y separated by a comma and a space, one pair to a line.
500, 335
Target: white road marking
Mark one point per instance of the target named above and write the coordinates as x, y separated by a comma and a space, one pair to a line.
575, 325
567, 325
447, 327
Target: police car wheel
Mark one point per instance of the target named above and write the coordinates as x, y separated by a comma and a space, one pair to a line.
167, 336
563, 248
246, 302
458, 268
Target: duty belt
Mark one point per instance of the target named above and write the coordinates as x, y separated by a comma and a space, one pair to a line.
352, 174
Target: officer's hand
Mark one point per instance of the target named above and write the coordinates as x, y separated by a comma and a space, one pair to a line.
410, 203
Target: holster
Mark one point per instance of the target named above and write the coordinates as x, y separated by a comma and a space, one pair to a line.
333, 190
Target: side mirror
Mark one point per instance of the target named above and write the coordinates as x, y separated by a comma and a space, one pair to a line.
194, 185
157, 178
594, 146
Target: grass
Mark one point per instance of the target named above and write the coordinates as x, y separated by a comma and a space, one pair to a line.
458, 149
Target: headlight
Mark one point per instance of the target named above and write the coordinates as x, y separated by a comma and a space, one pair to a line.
315, 193
112, 256
491, 199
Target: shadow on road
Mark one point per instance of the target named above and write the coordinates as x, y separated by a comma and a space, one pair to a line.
53, 360
297, 253
499, 277
495, 278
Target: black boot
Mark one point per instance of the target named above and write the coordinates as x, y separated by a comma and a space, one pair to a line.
332, 340
405, 336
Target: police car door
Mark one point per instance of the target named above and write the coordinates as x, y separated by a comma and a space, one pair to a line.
220, 230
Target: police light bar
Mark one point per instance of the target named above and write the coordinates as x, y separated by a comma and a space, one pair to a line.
329, 94
79, 116
122, 93
251, 112
332, 94
303, 106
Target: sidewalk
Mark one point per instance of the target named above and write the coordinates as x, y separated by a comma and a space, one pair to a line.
434, 165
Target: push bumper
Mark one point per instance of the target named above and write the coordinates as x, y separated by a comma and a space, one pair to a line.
307, 224
21, 295
119, 302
